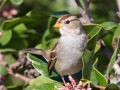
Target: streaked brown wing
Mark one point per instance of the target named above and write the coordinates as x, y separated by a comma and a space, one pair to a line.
53, 59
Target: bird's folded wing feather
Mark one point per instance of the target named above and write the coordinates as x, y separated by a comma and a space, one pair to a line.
49, 55
53, 58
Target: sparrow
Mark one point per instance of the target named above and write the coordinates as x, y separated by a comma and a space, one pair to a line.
66, 54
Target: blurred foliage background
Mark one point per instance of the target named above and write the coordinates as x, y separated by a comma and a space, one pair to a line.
28, 24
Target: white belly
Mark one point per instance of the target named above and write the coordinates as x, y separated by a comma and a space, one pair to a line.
69, 52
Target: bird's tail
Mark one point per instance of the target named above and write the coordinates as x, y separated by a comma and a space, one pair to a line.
44, 53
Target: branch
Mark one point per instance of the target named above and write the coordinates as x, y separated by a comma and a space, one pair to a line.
85, 14
88, 10
118, 4
11, 72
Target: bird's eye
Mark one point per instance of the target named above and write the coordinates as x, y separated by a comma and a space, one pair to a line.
67, 22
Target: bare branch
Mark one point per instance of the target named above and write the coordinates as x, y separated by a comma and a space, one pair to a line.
88, 11
10, 71
118, 4
85, 14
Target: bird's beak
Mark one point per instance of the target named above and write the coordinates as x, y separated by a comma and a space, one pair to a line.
58, 25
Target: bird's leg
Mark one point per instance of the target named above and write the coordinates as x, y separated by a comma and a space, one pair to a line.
63, 80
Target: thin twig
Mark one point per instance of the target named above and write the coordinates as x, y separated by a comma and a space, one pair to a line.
101, 87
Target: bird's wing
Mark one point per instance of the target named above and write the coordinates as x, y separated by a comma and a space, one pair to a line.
49, 55
53, 58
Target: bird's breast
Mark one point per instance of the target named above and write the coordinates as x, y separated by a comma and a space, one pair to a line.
69, 51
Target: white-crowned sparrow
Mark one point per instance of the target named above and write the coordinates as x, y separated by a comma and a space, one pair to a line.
66, 54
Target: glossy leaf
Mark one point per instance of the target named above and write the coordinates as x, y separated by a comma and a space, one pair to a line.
95, 31
7, 50
116, 34
12, 82
98, 46
100, 78
7, 35
88, 27
113, 58
46, 33
112, 87
8, 24
45, 86
40, 66
93, 78
88, 55
38, 15
87, 64
3, 70
9, 59
17, 2
108, 25
44, 83
52, 20
42, 79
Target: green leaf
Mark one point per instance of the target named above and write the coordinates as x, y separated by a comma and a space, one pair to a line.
17, 43
98, 46
88, 27
52, 20
7, 50
29, 88
3, 70
116, 34
46, 86
8, 24
46, 33
12, 82
87, 64
6, 37
9, 59
100, 78
112, 87
44, 83
40, 66
40, 80
108, 25
17, 2
93, 78
38, 15
95, 31
85, 81
87, 55
113, 58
